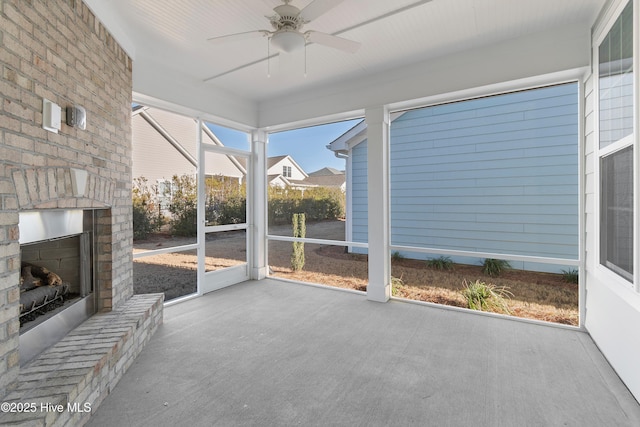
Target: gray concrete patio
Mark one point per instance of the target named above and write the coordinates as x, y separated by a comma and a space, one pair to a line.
276, 353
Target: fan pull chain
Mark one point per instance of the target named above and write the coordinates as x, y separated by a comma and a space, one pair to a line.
268, 58
305, 59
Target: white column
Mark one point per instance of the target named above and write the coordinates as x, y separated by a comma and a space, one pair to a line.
258, 205
379, 287
201, 198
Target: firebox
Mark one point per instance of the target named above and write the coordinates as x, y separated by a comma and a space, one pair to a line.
57, 283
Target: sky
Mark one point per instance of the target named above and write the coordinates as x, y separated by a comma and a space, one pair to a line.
307, 146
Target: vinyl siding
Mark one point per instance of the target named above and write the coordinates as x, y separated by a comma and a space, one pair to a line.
495, 174
155, 158
359, 195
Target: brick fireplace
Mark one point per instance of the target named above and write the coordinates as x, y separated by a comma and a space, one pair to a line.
56, 49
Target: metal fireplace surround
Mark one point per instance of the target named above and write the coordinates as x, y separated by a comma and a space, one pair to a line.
47, 225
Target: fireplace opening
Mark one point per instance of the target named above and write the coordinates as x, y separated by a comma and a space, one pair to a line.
58, 286
54, 274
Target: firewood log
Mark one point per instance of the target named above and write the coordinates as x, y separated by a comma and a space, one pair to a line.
48, 277
27, 281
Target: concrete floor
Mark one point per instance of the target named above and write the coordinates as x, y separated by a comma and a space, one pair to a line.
273, 353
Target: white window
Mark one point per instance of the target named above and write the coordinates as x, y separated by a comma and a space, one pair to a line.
286, 171
616, 144
164, 192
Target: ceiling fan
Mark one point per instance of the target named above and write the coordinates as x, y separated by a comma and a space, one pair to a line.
287, 36
288, 21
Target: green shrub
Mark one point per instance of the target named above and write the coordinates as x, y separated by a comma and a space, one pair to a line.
142, 225
299, 230
486, 297
396, 256
494, 267
318, 204
440, 263
396, 282
233, 211
570, 276
146, 215
226, 201
183, 206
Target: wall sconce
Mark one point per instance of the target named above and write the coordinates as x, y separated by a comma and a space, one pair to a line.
77, 117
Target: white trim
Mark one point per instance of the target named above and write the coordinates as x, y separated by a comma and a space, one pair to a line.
150, 101
609, 14
315, 121
225, 277
509, 257
225, 227
317, 241
528, 83
319, 285
200, 200
170, 250
218, 149
582, 294
636, 144
180, 299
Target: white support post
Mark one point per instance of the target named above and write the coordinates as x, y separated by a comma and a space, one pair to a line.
258, 205
379, 287
200, 213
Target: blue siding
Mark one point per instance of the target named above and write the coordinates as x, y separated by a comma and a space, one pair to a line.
495, 174
359, 195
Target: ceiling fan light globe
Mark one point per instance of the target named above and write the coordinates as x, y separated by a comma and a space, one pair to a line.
288, 41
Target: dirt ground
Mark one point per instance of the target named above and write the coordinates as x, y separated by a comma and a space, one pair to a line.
541, 296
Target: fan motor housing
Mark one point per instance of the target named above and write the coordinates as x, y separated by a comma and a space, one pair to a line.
287, 16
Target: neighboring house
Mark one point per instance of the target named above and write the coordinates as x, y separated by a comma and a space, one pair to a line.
164, 145
328, 177
283, 171
496, 174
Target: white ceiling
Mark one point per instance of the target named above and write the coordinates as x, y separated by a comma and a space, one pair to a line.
170, 37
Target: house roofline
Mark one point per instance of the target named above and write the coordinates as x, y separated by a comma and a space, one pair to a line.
354, 136
292, 161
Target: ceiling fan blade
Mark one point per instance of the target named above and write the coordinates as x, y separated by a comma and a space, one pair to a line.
239, 36
332, 41
318, 8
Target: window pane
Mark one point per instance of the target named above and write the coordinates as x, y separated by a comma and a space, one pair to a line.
616, 80
616, 216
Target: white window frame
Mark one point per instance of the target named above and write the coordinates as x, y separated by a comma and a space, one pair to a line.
168, 191
600, 33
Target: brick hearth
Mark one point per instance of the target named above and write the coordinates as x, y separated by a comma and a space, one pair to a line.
70, 379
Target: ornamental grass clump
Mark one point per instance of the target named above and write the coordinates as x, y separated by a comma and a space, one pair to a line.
494, 267
570, 276
483, 296
440, 263
299, 230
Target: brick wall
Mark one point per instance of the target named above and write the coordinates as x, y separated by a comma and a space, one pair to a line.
56, 49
